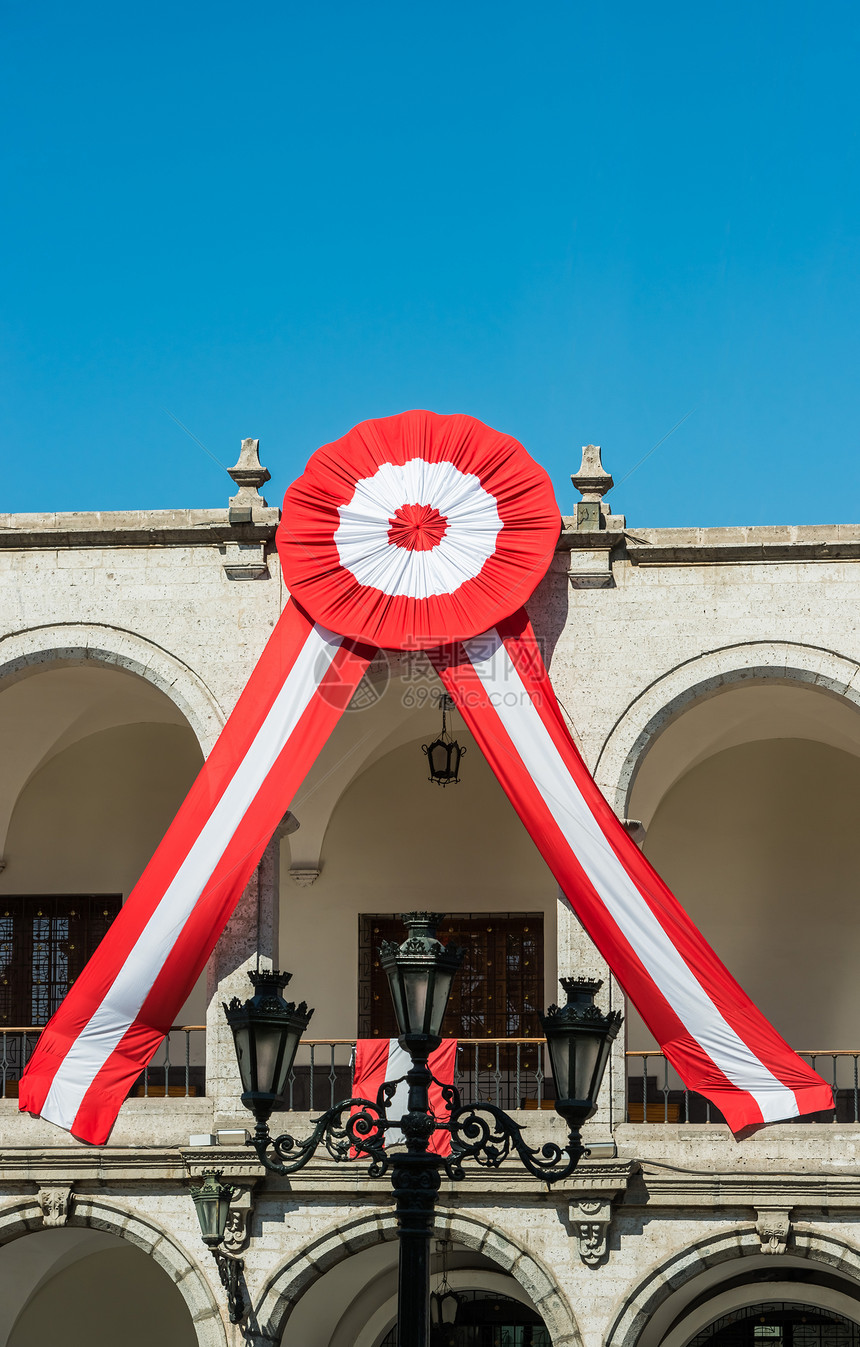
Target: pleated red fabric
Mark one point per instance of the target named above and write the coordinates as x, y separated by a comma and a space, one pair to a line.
417, 529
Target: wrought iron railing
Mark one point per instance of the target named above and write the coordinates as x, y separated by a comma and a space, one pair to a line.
656, 1093
177, 1071
509, 1072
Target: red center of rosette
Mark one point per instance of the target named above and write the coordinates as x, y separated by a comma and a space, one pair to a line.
417, 528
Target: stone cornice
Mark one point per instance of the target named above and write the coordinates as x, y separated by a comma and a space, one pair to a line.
629, 1182
708, 546
712, 1189
133, 528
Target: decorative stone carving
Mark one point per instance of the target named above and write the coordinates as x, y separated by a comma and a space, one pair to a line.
304, 875
590, 1219
245, 561
249, 475
774, 1227
237, 1234
55, 1202
590, 569
593, 482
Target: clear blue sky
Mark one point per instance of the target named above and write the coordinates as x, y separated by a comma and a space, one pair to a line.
574, 221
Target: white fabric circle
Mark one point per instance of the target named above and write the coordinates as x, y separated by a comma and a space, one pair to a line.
368, 554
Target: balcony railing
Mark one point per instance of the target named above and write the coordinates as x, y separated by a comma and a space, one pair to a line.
177, 1071
656, 1094
509, 1072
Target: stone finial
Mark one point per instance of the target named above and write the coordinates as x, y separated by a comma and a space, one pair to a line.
592, 480
249, 475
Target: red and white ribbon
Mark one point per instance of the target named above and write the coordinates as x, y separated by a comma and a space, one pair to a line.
718, 1041
378, 1060
413, 532
117, 1012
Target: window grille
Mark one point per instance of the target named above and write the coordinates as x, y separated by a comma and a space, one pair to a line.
45, 940
496, 994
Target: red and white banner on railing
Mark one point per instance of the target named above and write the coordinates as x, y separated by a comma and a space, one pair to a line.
416, 532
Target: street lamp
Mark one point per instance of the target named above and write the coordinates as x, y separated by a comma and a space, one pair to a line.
266, 1032
420, 972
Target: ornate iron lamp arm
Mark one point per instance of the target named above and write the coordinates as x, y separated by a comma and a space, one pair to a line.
486, 1134
339, 1130
230, 1271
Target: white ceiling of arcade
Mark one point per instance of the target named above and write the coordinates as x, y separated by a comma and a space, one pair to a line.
740, 714
47, 711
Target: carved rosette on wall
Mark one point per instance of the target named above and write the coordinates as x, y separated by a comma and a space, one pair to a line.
55, 1202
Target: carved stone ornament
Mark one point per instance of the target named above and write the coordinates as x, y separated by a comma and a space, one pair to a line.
304, 875
56, 1204
774, 1227
237, 1234
590, 1220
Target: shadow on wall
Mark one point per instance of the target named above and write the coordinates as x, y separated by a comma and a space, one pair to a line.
760, 844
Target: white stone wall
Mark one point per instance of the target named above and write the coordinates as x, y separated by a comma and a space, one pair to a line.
684, 616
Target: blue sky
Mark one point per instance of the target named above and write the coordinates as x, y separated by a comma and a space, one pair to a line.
575, 222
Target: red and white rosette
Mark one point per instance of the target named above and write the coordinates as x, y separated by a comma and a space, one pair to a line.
417, 530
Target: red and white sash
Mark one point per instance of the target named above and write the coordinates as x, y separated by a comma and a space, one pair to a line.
378, 1060
417, 532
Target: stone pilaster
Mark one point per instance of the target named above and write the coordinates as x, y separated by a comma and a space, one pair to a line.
251, 935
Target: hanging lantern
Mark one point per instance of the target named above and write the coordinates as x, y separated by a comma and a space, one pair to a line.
444, 754
444, 1308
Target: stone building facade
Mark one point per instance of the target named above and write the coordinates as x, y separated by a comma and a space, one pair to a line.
711, 681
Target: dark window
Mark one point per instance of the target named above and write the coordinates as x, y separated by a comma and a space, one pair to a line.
497, 992
44, 943
779, 1324
486, 1320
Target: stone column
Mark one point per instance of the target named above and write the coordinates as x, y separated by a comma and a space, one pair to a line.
578, 956
251, 935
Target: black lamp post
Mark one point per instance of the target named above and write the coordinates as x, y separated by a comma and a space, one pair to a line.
420, 973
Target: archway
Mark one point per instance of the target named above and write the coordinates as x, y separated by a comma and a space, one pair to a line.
342, 1291
98, 754
743, 765
107, 1275
684, 1295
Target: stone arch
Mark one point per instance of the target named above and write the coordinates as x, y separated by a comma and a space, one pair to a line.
23, 652
706, 675
97, 1213
645, 1311
287, 1286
